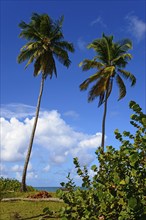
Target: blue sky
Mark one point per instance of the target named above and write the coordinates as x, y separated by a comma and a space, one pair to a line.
68, 125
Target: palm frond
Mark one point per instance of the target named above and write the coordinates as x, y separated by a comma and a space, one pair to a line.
98, 89
124, 45
25, 55
128, 75
101, 99
103, 48
99, 46
105, 95
48, 66
59, 22
91, 79
62, 56
56, 30
23, 25
30, 34
126, 56
108, 71
122, 88
109, 87
65, 45
37, 67
89, 64
108, 42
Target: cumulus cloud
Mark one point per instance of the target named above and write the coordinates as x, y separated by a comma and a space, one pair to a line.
71, 114
136, 26
14, 138
55, 140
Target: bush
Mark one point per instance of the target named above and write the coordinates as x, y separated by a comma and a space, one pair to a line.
7, 184
118, 189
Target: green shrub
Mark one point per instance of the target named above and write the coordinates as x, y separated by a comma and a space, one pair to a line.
7, 184
118, 189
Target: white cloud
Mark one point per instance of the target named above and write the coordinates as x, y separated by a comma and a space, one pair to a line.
14, 138
91, 142
30, 175
136, 27
98, 20
82, 44
46, 168
71, 114
3, 170
19, 168
17, 110
53, 135
91, 173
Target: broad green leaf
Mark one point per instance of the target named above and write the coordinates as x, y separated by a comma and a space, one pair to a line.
144, 122
132, 202
116, 178
94, 168
134, 158
122, 182
121, 202
127, 179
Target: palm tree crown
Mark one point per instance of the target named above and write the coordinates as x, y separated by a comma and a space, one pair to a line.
109, 61
45, 41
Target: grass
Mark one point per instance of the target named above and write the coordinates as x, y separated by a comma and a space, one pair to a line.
25, 210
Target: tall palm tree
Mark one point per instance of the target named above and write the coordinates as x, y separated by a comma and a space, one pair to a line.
110, 60
45, 43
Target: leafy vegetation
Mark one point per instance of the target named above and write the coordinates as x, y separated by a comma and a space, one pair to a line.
7, 184
117, 190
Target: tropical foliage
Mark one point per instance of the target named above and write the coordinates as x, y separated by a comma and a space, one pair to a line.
7, 184
45, 43
109, 63
117, 191
45, 40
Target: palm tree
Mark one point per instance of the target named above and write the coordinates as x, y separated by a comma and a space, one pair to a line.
45, 43
110, 60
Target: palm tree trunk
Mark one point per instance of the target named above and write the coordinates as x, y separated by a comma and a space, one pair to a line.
23, 183
103, 124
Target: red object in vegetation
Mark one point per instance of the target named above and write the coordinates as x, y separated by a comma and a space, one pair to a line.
39, 195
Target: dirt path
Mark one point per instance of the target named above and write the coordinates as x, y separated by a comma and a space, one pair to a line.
31, 199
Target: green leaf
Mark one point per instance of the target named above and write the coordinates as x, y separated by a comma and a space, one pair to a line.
121, 202
62, 184
122, 182
132, 202
127, 179
144, 121
134, 158
116, 178
94, 168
